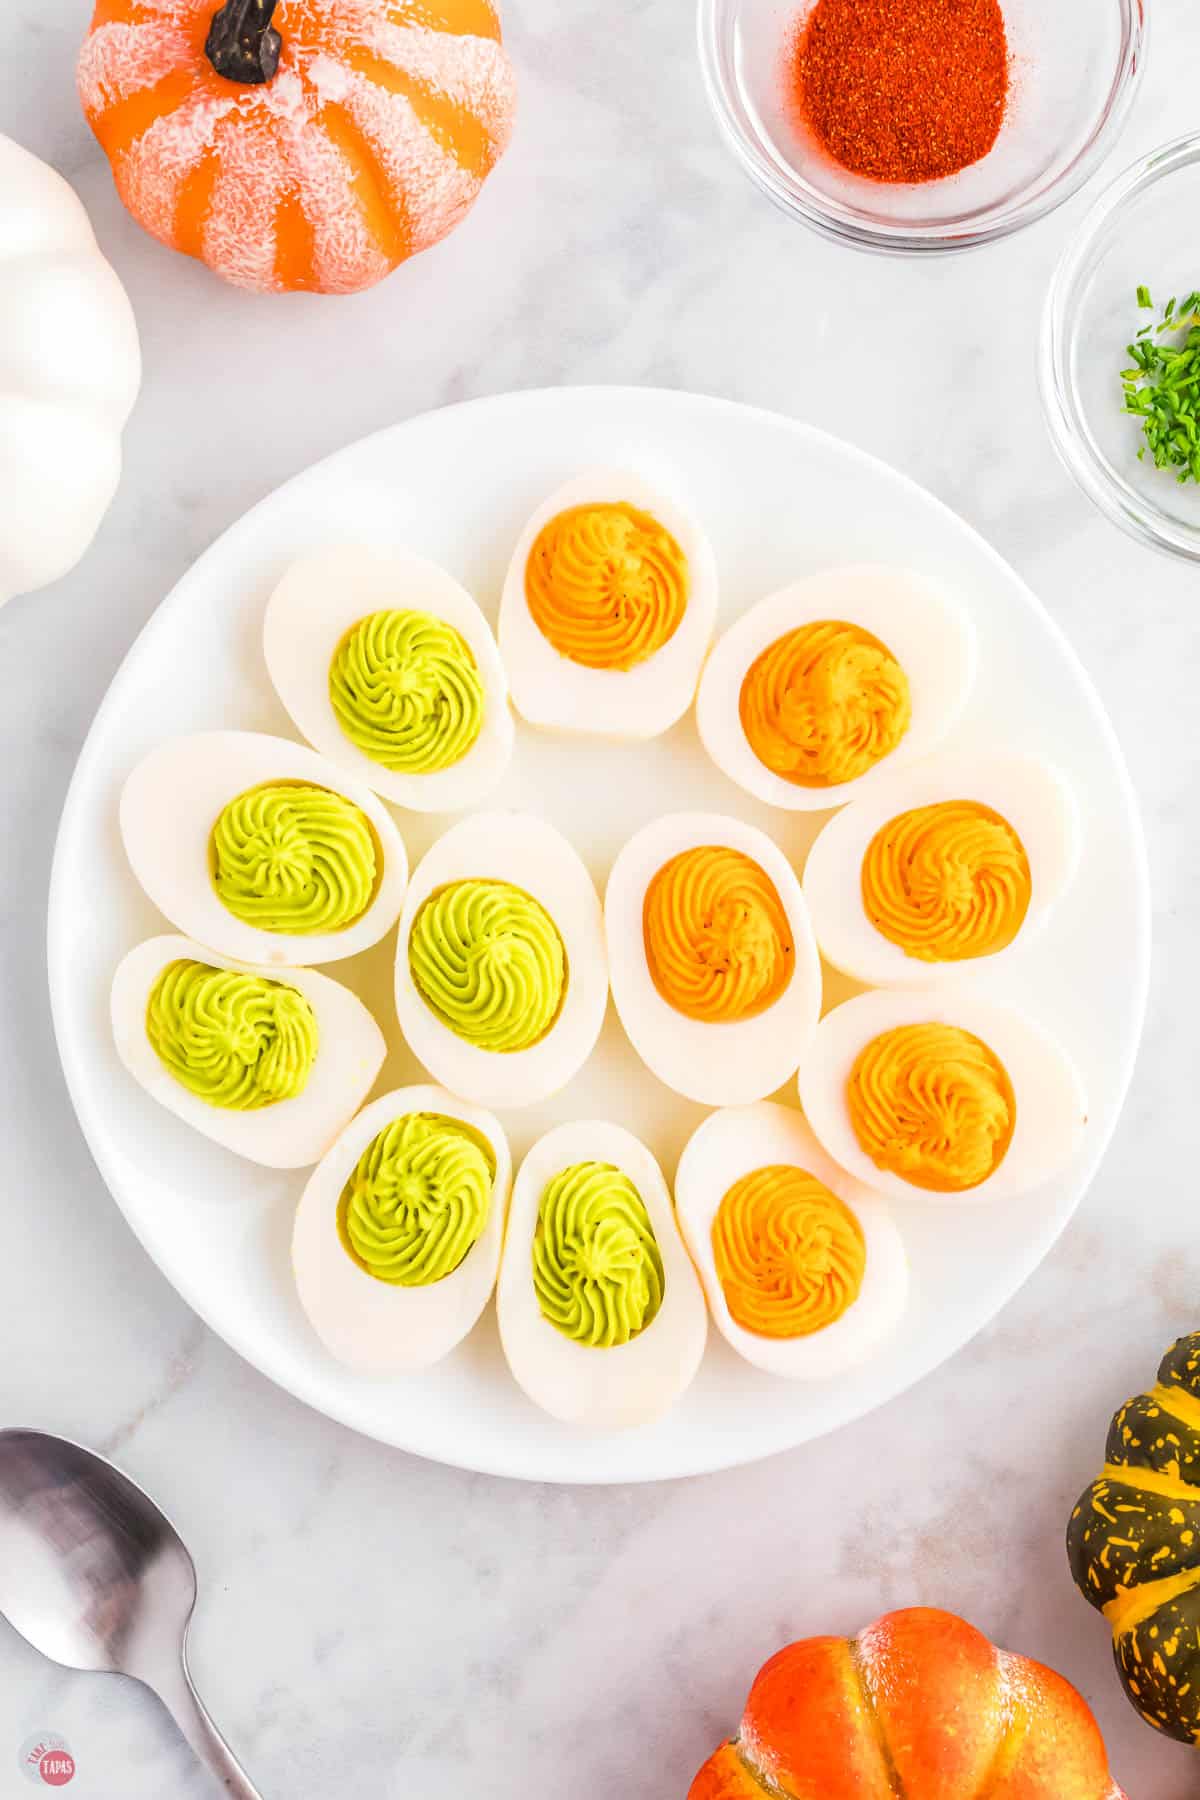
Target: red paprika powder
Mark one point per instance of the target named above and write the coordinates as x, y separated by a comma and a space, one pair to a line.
902, 90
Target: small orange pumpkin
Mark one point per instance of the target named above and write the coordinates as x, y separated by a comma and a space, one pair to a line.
298, 143
919, 1704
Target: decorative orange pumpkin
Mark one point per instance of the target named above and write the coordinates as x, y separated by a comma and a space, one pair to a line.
298, 143
919, 1704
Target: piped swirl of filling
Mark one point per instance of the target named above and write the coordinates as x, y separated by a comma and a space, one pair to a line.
237, 1041
934, 1105
606, 585
418, 1200
407, 692
487, 959
597, 1268
790, 1256
824, 703
947, 882
718, 943
292, 858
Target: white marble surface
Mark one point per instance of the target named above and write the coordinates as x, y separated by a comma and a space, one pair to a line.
372, 1625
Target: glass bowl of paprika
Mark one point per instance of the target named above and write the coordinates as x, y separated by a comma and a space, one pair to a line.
910, 126
1120, 352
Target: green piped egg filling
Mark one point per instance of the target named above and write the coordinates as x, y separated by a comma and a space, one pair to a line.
235, 1040
293, 858
597, 1268
418, 1200
488, 960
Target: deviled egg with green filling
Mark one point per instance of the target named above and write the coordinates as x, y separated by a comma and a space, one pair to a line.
272, 1066
501, 972
389, 668
602, 1315
397, 1236
262, 849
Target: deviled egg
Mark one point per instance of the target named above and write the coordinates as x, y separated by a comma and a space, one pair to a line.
501, 973
397, 1236
388, 667
943, 867
271, 1066
262, 849
713, 965
942, 1095
819, 688
608, 609
804, 1269
601, 1314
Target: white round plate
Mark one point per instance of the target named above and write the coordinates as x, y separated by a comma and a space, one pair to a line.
779, 501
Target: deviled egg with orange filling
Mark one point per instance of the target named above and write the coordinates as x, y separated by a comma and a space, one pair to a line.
942, 1095
943, 867
388, 667
262, 849
601, 1314
608, 609
271, 1066
501, 972
711, 955
816, 690
397, 1236
805, 1271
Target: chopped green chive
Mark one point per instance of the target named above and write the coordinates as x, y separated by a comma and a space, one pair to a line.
1162, 388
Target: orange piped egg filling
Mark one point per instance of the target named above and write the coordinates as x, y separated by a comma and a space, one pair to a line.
606, 585
789, 1255
947, 882
824, 703
718, 943
934, 1105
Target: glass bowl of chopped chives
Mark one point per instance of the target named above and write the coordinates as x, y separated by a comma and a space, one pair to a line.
1120, 352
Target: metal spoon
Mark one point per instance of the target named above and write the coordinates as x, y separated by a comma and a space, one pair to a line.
95, 1577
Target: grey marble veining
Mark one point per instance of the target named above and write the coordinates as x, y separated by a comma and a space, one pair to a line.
371, 1624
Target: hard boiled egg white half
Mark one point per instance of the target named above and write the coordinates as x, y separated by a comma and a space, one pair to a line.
601, 1314
501, 972
942, 1095
814, 692
804, 1269
388, 667
262, 849
608, 610
397, 1236
713, 964
229, 1044
942, 868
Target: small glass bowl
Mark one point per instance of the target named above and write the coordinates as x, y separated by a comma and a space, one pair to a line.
1076, 67
1137, 233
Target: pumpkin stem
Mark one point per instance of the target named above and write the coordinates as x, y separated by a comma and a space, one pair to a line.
242, 44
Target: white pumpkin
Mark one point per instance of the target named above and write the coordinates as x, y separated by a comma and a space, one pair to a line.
70, 368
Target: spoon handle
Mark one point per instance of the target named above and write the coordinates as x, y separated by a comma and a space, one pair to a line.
177, 1691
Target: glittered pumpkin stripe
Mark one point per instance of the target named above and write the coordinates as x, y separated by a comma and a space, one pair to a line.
454, 128
239, 236
350, 224
152, 174
194, 203
418, 175
385, 215
473, 73
123, 59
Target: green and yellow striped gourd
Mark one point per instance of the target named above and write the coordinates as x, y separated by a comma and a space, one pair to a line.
1134, 1545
